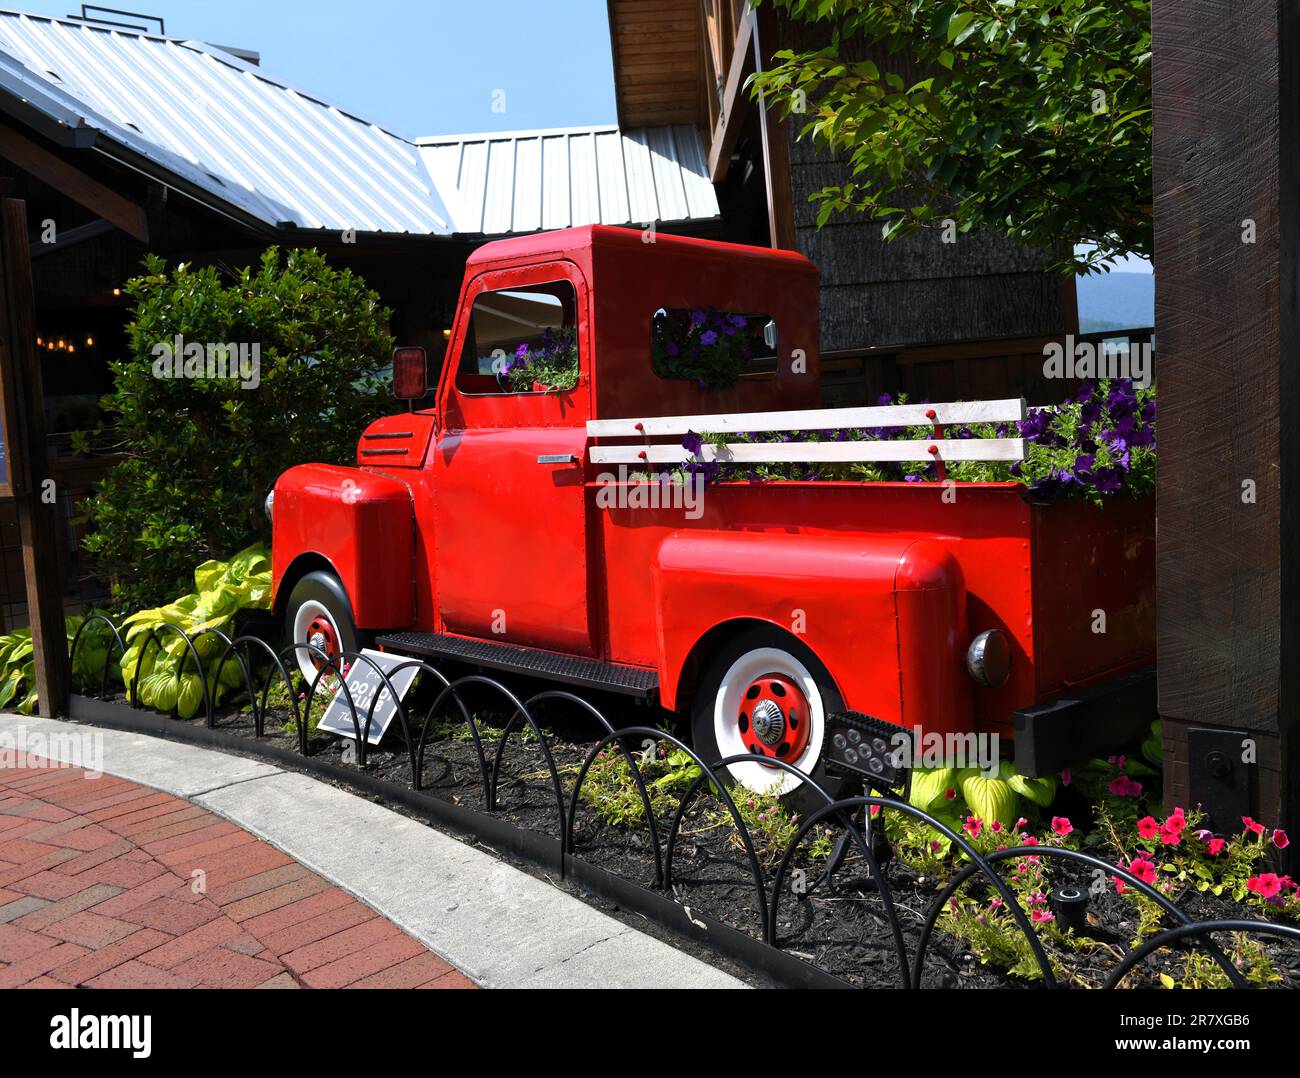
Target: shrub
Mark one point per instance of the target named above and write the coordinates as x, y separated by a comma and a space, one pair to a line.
202, 452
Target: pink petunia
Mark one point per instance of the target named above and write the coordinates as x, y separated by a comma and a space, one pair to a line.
1061, 825
950, 794
1266, 885
1253, 827
1030, 841
1280, 839
1144, 870
1040, 917
973, 825
1170, 835
1020, 823
1123, 786
1148, 827
996, 827
1120, 762
1215, 846
1065, 777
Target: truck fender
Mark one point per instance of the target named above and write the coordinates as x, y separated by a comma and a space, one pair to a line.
885, 613
361, 524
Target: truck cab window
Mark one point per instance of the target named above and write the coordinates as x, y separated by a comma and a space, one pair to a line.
521, 341
711, 347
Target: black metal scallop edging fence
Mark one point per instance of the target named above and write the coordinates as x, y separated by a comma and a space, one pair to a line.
843, 811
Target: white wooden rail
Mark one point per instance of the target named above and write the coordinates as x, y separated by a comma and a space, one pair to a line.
897, 415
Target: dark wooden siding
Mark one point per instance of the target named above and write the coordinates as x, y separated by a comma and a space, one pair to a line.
916, 290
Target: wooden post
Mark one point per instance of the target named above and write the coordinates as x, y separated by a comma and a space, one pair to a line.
28, 460
1227, 150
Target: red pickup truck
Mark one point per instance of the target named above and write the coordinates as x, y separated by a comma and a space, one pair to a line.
487, 525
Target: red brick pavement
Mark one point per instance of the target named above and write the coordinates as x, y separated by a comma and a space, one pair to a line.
108, 884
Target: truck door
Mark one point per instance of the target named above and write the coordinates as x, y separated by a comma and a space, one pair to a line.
511, 522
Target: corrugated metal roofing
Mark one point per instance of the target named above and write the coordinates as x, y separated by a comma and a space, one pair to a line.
252, 142
286, 158
504, 182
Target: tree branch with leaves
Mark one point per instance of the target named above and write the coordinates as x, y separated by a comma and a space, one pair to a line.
1032, 118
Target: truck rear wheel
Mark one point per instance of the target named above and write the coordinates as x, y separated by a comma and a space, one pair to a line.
768, 694
319, 613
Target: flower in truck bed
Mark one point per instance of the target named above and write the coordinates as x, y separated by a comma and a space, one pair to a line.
1097, 444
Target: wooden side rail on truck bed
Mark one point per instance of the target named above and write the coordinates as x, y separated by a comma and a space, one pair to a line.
938, 448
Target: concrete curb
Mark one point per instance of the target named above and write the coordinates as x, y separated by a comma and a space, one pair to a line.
502, 927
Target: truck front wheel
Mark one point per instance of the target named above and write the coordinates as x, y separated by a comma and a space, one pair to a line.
764, 693
319, 613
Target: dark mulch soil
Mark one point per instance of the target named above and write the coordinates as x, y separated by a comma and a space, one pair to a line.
840, 925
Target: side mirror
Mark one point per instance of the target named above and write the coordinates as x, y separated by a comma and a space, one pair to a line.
410, 373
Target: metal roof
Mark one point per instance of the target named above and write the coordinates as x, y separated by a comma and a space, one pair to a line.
499, 183
250, 144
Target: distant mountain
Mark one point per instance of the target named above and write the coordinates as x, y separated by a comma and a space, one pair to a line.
1116, 301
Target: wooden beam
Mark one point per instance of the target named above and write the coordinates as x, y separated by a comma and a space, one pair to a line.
75, 184
34, 490
776, 144
734, 102
1227, 224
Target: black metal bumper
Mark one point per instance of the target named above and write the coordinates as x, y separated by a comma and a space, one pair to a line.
1084, 723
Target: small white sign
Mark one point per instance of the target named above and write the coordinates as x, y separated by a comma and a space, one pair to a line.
364, 682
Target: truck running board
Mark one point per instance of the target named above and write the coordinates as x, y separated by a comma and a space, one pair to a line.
534, 662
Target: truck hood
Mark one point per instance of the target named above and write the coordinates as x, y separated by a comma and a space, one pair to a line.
396, 441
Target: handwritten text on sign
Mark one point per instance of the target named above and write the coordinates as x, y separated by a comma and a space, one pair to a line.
363, 681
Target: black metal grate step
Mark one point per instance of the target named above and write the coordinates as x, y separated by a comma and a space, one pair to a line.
552, 665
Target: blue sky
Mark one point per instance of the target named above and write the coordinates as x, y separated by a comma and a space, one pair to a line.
416, 67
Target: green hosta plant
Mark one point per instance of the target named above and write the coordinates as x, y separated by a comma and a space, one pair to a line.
167, 679
951, 793
18, 669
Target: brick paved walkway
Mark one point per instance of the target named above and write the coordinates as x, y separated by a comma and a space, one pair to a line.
105, 883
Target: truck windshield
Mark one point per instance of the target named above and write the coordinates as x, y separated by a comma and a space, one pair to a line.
521, 341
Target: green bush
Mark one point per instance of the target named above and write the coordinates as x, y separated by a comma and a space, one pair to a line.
202, 452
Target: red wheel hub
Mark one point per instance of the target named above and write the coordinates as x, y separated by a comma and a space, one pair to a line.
320, 633
774, 718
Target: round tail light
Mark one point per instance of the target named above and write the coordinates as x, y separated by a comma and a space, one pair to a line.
988, 659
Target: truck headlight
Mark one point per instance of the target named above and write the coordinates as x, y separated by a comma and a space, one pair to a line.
269, 505
988, 659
